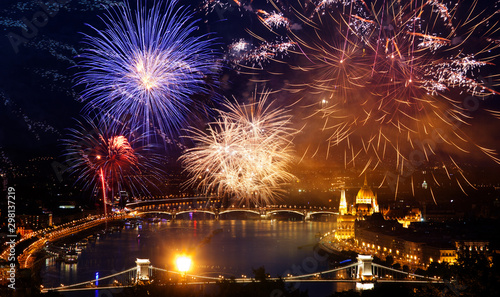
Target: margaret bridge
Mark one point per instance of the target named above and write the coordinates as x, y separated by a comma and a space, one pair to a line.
364, 273
197, 205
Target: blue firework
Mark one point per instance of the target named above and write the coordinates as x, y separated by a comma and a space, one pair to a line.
146, 66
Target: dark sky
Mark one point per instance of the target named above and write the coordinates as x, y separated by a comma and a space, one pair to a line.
38, 100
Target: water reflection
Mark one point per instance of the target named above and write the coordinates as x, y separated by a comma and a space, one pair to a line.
227, 247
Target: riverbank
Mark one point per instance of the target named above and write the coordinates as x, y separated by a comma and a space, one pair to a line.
32, 259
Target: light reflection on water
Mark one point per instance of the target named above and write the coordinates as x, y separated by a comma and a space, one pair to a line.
235, 249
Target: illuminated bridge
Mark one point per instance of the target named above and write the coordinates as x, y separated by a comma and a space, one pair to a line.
364, 273
203, 205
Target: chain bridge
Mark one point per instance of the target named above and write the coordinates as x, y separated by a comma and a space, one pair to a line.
364, 273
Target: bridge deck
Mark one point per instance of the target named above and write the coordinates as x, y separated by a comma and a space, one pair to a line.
351, 273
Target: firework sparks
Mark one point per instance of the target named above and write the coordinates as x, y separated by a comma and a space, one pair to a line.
241, 52
404, 88
146, 66
273, 19
389, 75
116, 155
245, 153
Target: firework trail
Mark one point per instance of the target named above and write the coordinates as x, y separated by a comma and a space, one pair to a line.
115, 154
390, 79
394, 74
146, 66
245, 153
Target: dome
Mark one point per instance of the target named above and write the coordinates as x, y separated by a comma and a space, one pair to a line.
363, 208
365, 195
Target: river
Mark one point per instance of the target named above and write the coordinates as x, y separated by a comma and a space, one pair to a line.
224, 247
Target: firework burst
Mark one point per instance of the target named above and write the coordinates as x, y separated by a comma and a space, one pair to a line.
394, 73
146, 66
392, 81
115, 155
245, 153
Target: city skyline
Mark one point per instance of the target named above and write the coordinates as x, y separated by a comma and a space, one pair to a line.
250, 147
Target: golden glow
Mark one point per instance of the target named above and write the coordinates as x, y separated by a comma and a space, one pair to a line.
148, 82
144, 71
183, 263
343, 203
366, 197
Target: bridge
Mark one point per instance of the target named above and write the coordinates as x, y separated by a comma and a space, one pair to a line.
364, 273
200, 205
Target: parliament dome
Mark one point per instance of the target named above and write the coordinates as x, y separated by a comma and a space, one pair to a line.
365, 195
366, 201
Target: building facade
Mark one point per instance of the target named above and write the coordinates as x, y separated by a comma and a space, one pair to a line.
365, 205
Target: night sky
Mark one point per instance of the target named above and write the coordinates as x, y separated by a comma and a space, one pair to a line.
39, 97
39, 100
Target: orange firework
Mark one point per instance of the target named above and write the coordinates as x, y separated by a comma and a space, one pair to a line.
392, 80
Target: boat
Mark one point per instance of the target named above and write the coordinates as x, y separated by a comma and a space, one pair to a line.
83, 242
70, 257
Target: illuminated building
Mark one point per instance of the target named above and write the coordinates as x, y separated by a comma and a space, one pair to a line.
366, 201
366, 204
345, 227
403, 216
383, 238
480, 246
343, 203
448, 256
345, 221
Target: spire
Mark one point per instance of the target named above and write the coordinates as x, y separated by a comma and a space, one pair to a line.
375, 204
366, 182
343, 203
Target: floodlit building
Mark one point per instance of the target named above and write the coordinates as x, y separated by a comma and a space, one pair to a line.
366, 201
366, 204
404, 216
343, 203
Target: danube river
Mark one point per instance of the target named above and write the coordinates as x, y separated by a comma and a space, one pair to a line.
224, 247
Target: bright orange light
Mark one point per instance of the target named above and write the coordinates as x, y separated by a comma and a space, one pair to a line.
183, 263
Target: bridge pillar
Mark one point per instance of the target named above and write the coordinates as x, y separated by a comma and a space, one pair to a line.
365, 273
142, 269
365, 267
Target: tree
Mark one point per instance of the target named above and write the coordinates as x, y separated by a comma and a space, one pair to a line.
389, 260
